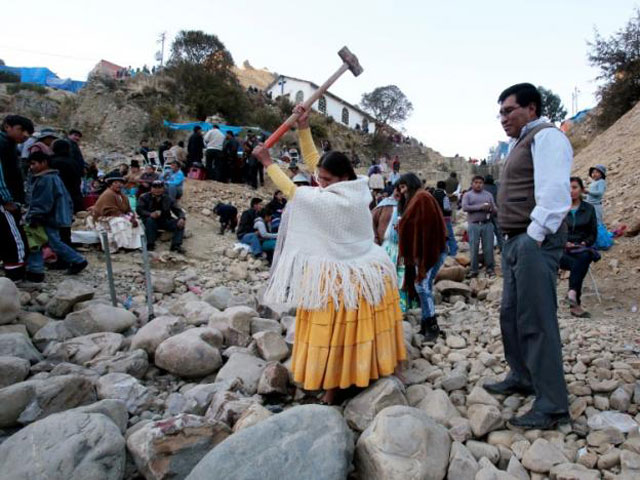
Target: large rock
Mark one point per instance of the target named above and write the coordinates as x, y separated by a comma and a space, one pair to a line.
69, 445
403, 442
52, 332
449, 287
192, 353
542, 456
228, 407
245, 367
218, 297
572, 471
484, 419
13, 370
198, 398
438, 406
116, 410
155, 332
134, 363
121, 386
170, 448
271, 346
80, 350
462, 465
310, 442
163, 284
26, 402
34, 321
197, 312
17, 345
274, 380
9, 301
252, 415
363, 408
99, 318
454, 273
68, 293
236, 317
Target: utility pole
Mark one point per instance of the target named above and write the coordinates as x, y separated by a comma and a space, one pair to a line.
161, 40
574, 101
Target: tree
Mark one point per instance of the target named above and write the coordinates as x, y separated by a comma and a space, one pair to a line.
198, 48
618, 58
552, 107
387, 104
202, 68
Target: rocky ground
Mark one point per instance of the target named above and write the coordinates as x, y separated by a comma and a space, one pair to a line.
203, 390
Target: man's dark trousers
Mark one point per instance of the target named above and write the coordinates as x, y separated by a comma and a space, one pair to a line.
210, 155
528, 318
152, 225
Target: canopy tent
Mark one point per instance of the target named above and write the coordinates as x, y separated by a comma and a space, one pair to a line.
206, 126
43, 76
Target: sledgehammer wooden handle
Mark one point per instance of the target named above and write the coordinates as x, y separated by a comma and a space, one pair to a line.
350, 63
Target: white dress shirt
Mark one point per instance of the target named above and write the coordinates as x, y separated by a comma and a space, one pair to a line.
214, 139
552, 158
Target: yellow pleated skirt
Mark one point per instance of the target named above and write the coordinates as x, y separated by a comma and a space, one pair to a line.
336, 347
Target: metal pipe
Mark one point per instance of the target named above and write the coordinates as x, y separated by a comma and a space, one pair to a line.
107, 257
147, 277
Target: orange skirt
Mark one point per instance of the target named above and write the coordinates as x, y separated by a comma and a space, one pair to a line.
340, 348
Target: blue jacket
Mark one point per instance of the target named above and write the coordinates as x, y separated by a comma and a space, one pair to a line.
50, 204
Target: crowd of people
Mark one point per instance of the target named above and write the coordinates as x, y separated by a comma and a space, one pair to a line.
351, 252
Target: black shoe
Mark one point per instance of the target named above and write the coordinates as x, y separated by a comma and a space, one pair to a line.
429, 329
151, 247
539, 420
34, 277
58, 265
75, 268
178, 249
508, 387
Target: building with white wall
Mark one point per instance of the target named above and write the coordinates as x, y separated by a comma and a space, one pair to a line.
298, 91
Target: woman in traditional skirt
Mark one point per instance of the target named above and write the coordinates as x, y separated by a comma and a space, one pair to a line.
421, 247
348, 324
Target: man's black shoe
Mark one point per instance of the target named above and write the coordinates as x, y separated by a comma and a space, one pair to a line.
34, 277
507, 387
151, 247
539, 420
58, 265
178, 249
77, 267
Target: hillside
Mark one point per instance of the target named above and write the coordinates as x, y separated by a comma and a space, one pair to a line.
619, 149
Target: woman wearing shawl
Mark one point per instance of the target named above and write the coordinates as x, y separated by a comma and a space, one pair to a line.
421, 247
348, 323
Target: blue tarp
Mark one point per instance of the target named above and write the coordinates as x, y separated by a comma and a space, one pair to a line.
206, 126
44, 76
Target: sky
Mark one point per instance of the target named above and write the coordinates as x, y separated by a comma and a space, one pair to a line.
452, 59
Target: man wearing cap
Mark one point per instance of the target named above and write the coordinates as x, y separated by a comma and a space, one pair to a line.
113, 213
157, 211
44, 140
15, 129
595, 193
533, 200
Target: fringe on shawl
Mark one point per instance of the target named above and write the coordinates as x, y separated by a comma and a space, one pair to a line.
311, 282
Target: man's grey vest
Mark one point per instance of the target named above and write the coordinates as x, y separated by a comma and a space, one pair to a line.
516, 195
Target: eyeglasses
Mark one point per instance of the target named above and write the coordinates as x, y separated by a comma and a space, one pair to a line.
507, 111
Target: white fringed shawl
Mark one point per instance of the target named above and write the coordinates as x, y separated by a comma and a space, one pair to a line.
326, 250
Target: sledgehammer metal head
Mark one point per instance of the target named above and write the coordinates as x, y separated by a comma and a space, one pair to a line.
351, 60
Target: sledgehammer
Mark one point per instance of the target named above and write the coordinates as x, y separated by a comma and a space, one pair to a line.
350, 62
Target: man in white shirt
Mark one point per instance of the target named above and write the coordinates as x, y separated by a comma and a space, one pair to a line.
533, 199
213, 140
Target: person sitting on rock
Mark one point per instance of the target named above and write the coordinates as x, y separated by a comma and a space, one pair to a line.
246, 233
582, 225
175, 180
262, 229
50, 209
157, 211
228, 215
112, 213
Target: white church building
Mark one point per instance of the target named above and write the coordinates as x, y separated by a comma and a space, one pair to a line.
298, 90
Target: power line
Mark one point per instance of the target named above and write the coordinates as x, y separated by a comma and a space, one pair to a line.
48, 54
